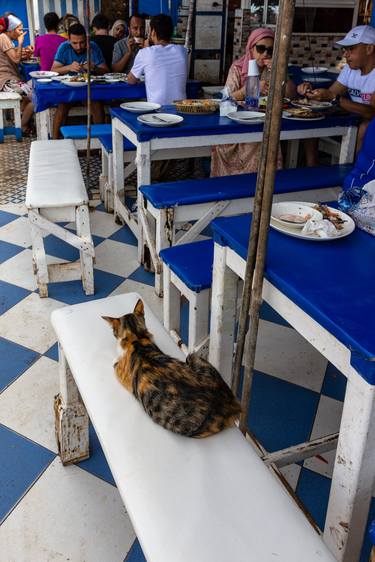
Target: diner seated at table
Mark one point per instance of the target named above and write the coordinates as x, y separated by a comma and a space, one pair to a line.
163, 64
354, 89
229, 159
71, 58
46, 45
119, 30
105, 42
126, 49
10, 57
64, 24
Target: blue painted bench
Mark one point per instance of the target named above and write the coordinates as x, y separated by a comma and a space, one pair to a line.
170, 204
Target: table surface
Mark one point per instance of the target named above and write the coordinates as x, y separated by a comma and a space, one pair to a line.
214, 124
333, 282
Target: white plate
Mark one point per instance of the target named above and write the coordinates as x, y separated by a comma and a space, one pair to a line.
115, 76
44, 80
140, 106
314, 69
287, 115
160, 119
292, 208
61, 77
247, 117
318, 80
75, 84
43, 74
348, 227
316, 106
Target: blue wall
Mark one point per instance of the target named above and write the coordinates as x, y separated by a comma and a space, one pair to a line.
17, 7
154, 7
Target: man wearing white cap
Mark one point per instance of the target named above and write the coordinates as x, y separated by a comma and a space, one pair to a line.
10, 57
354, 89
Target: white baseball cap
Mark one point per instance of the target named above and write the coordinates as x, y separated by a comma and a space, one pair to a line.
360, 34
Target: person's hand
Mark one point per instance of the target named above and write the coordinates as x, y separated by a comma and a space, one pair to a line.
83, 66
132, 44
303, 88
21, 38
74, 67
320, 94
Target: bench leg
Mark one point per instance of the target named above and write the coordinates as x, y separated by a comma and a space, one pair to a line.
199, 304
17, 121
83, 231
39, 260
71, 419
103, 178
171, 303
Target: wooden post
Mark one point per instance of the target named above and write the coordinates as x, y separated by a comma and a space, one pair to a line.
88, 150
252, 293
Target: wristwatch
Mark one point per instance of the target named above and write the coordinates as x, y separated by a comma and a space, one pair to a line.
336, 100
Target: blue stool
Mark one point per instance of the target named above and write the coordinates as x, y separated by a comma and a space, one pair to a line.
10, 100
187, 272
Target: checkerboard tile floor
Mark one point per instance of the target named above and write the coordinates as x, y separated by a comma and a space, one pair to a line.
50, 512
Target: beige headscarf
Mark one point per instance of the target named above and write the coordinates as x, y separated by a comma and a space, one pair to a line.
116, 24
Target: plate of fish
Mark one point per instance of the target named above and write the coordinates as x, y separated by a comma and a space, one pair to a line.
294, 215
306, 103
302, 115
43, 74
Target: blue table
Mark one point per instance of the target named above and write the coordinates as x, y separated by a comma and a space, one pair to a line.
325, 290
197, 134
27, 67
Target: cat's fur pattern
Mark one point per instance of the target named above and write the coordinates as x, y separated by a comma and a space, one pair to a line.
188, 398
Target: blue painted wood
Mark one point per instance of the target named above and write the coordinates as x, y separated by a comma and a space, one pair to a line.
192, 263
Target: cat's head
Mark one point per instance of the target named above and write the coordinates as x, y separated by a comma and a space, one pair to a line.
132, 324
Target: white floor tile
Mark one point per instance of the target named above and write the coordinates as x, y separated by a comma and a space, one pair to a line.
327, 421
101, 224
67, 515
291, 474
26, 406
116, 257
17, 232
18, 270
283, 353
28, 323
145, 291
15, 208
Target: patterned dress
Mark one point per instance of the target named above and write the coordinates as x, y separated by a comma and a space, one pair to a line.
229, 159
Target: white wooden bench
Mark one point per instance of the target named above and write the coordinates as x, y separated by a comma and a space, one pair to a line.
209, 500
10, 100
56, 193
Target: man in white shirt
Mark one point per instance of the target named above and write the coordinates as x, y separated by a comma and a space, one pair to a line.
163, 64
357, 78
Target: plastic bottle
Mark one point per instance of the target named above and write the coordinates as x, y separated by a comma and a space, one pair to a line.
252, 86
348, 200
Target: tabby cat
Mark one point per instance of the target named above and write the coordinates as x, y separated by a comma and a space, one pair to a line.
187, 398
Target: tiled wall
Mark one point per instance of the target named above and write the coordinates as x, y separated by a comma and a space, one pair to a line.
307, 48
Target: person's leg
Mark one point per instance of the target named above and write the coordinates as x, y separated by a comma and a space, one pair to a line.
27, 109
361, 133
311, 152
97, 112
61, 114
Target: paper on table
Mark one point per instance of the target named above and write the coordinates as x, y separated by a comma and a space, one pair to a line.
322, 228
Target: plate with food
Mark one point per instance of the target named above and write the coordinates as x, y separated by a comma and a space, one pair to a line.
293, 215
61, 77
247, 117
302, 115
140, 106
307, 103
340, 224
314, 69
76, 81
115, 76
43, 74
160, 119
197, 106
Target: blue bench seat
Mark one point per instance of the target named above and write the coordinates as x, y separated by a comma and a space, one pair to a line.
106, 141
190, 192
192, 263
79, 132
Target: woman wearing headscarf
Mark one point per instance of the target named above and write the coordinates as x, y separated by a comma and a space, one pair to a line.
10, 57
243, 158
118, 30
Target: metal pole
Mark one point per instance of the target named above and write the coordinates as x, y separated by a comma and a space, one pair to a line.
88, 46
274, 108
253, 240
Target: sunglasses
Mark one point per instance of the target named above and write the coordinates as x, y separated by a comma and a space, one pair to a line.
263, 49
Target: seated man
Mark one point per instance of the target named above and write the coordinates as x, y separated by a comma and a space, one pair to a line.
46, 45
10, 57
354, 89
164, 65
105, 42
71, 58
126, 49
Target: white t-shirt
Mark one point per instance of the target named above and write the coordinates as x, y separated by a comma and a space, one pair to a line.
165, 70
360, 86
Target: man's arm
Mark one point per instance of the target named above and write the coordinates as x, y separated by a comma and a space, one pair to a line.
120, 62
327, 94
366, 111
61, 68
131, 79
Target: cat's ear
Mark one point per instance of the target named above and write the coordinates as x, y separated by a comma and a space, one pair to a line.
114, 322
139, 308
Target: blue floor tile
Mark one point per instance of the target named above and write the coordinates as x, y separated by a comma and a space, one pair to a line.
14, 360
53, 352
313, 490
6, 218
21, 463
269, 314
125, 236
281, 414
10, 295
135, 554
334, 384
71, 292
143, 276
97, 463
60, 249
8, 251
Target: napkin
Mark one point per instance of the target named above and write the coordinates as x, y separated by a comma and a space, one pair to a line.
322, 228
